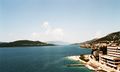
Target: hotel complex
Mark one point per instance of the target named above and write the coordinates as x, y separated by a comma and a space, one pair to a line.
112, 58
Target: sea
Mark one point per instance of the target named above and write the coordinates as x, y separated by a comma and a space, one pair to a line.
41, 59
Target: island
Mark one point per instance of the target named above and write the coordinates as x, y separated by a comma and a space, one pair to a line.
24, 43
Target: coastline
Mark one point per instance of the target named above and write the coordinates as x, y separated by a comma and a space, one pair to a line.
92, 65
77, 58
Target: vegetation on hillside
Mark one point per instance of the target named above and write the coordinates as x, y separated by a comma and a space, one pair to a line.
20, 43
112, 39
82, 57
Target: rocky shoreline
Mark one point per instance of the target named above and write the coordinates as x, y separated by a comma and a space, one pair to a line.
92, 64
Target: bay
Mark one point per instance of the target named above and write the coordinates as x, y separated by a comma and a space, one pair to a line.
41, 59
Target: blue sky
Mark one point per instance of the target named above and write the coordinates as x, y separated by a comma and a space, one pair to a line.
58, 20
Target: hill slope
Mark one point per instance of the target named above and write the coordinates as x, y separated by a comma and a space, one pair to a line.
112, 39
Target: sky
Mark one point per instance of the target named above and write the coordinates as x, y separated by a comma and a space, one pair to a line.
58, 20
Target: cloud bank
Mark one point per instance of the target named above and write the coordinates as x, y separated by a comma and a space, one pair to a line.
48, 33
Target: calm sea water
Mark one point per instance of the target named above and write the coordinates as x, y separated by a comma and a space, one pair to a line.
41, 59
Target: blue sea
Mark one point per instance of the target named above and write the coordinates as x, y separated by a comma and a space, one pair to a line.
41, 59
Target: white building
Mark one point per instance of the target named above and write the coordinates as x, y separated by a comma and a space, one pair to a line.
112, 59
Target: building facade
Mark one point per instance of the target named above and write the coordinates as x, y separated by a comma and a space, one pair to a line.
112, 58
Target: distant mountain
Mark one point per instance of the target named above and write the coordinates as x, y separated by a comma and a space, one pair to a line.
112, 39
86, 42
20, 43
58, 42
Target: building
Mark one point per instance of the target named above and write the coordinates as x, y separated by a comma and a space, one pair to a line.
112, 58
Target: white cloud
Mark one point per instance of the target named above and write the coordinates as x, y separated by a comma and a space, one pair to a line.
48, 33
57, 33
34, 34
45, 25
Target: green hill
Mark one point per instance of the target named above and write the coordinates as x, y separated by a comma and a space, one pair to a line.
112, 39
20, 43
